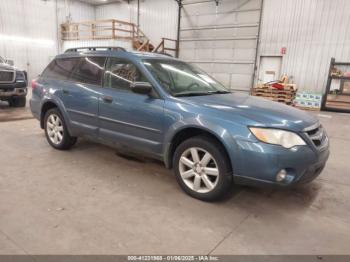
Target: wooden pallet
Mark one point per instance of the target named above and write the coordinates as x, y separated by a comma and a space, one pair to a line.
307, 108
273, 91
286, 87
280, 100
285, 96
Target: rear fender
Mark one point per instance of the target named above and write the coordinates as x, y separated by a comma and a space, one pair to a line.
60, 107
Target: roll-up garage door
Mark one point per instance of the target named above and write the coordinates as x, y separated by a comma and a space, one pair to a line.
221, 38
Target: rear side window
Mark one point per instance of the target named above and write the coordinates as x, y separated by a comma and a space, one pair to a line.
90, 70
61, 68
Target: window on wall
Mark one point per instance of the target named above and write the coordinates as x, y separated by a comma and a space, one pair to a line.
121, 73
90, 70
61, 68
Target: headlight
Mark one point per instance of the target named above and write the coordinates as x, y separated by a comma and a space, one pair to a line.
277, 137
20, 75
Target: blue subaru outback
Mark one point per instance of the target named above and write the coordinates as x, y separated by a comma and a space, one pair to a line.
165, 108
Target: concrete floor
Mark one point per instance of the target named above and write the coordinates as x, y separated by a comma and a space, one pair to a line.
13, 114
91, 201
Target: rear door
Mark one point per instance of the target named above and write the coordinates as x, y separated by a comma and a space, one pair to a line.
128, 118
81, 93
76, 82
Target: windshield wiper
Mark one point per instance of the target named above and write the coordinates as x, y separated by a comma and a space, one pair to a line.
220, 92
192, 94
202, 93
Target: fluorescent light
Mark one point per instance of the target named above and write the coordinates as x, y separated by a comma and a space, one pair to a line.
27, 40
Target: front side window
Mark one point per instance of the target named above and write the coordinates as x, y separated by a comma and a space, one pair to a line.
182, 79
61, 68
121, 73
90, 70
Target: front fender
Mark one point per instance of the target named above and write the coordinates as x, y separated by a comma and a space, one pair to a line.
205, 125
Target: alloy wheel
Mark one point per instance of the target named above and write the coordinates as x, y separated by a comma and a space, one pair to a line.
198, 170
54, 128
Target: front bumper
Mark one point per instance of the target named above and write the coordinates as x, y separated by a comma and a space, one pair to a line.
13, 92
258, 164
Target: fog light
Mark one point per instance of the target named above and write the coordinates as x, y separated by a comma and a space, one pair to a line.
281, 175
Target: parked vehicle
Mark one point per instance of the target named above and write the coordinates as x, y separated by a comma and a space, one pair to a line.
13, 84
173, 111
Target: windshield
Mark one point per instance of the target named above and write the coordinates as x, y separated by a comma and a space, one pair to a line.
182, 79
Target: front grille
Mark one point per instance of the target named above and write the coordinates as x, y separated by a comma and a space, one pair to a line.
317, 135
7, 76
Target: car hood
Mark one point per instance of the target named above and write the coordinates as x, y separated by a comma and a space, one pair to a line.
6, 67
261, 111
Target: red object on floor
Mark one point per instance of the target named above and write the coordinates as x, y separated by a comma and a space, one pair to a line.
278, 86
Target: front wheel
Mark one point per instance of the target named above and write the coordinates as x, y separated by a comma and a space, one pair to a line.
202, 168
56, 130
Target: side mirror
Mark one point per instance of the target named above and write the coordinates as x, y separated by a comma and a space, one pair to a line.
10, 62
143, 88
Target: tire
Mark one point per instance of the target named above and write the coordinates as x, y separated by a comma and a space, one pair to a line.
18, 101
211, 178
56, 131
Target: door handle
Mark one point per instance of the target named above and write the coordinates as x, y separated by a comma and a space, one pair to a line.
65, 91
107, 99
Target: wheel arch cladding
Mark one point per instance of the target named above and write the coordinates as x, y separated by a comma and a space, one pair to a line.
46, 107
185, 134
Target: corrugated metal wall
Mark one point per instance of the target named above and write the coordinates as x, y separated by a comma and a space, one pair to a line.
158, 18
28, 30
74, 11
313, 31
88, 43
222, 39
120, 11
28, 33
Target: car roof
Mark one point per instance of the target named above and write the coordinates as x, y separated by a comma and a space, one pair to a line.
133, 55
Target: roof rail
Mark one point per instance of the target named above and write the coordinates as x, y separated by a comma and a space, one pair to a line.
96, 48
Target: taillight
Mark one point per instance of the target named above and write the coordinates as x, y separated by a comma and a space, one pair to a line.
34, 84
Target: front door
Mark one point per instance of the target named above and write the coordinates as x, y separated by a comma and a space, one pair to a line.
128, 118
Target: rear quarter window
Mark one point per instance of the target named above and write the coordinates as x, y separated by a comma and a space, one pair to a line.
61, 68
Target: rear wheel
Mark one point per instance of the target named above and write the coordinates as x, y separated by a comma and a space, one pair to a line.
56, 130
18, 101
202, 168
